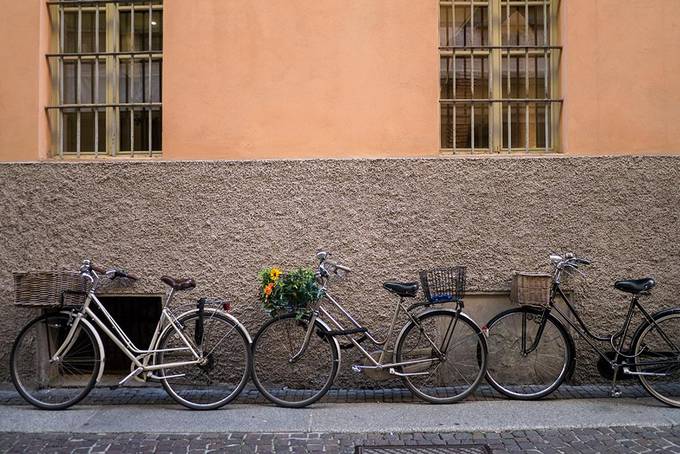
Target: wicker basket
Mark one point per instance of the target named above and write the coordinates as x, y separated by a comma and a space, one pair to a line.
443, 285
531, 289
49, 289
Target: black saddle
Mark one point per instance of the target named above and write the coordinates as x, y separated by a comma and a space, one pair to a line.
635, 285
179, 284
403, 289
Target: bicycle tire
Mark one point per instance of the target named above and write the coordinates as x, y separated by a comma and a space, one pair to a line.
514, 384
223, 384
279, 380
443, 386
83, 355
664, 389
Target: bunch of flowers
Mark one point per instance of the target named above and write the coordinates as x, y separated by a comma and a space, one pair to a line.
283, 292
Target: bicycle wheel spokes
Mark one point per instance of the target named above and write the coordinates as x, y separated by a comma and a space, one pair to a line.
513, 371
57, 384
450, 356
223, 372
298, 383
660, 358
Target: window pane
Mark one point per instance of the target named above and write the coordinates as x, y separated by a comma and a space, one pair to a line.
70, 130
514, 85
86, 131
445, 26
446, 126
70, 32
123, 88
481, 35
124, 30
481, 126
102, 30
141, 130
463, 79
462, 26
87, 76
156, 125
70, 82
481, 79
101, 120
125, 130
157, 30
463, 127
156, 81
141, 30
88, 32
446, 77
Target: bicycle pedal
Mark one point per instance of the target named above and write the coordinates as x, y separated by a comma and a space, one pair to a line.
356, 368
615, 393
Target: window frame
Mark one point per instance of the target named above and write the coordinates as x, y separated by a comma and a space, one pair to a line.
108, 60
496, 52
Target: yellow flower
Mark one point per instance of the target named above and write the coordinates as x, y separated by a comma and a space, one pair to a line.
275, 273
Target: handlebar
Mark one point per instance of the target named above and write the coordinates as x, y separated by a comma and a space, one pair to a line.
111, 273
326, 267
570, 260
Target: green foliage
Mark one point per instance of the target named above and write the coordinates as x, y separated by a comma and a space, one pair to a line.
293, 291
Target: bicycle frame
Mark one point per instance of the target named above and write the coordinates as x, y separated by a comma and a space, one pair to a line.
379, 364
124, 343
580, 327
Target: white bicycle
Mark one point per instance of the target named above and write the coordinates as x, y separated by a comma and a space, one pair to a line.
202, 356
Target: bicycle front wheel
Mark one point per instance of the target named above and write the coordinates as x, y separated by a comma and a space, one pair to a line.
289, 382
658, 357
521, 374
54, 385
225, 361
447, 352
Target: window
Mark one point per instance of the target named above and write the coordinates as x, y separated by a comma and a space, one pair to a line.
106, 77
498, 66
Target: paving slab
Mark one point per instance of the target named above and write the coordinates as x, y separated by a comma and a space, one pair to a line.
360, 417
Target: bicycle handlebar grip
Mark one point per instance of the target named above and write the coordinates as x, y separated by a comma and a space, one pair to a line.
98, 269
343, 268
134, 277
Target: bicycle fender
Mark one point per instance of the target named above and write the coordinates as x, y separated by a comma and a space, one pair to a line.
207, 311
439, 310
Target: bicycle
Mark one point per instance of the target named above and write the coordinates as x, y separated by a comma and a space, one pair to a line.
440, 353
201, 356
532, 352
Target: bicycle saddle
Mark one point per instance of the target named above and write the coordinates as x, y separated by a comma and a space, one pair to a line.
179, 284
404, 289
635, 285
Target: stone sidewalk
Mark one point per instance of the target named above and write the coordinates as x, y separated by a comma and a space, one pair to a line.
600, 440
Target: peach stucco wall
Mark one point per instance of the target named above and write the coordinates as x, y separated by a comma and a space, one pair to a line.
621, 76
300, 78
340, 78
23, 80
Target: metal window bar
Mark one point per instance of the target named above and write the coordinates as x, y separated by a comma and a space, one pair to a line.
101, 51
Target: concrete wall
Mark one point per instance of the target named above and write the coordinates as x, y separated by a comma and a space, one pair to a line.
222, 221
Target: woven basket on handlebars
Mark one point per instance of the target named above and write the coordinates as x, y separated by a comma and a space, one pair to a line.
49, 289
531, 289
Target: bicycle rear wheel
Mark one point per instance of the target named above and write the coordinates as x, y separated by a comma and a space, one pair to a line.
298, 383
520, 375
451, 376
223, 373
658, 345
62, 383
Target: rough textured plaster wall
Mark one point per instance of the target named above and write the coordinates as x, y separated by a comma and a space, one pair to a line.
221, 221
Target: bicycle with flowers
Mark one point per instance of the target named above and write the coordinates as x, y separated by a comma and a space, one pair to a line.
440, 353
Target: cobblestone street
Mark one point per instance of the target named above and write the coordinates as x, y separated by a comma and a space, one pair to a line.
605, 440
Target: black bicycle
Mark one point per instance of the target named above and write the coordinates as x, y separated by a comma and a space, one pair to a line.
531, 352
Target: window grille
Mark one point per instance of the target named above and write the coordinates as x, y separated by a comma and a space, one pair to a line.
106, 77
498, 75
